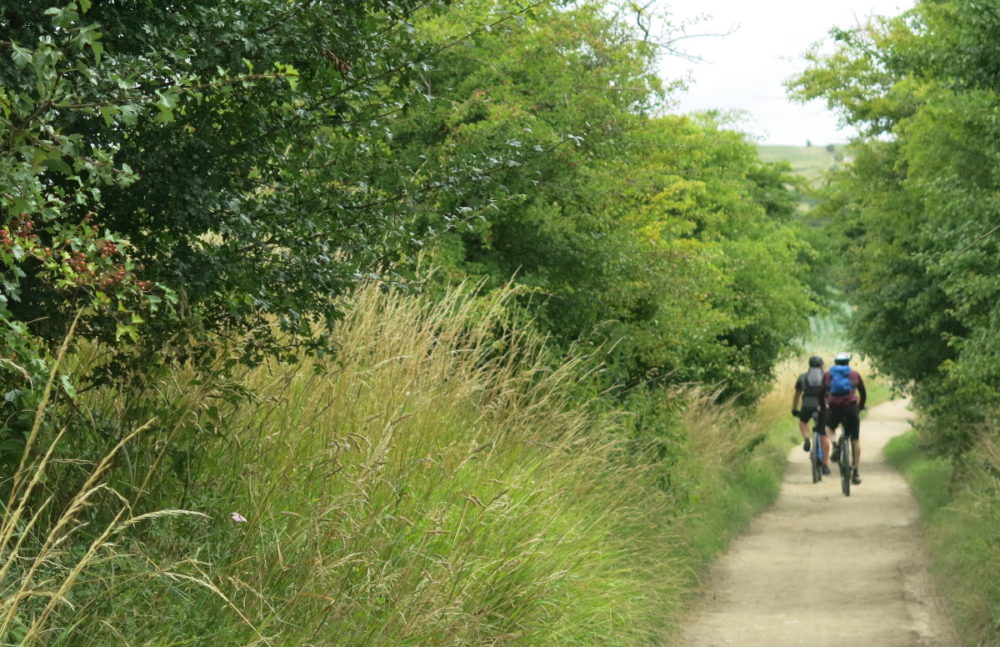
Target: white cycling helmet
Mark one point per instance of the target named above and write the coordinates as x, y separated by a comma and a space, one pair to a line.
842, 358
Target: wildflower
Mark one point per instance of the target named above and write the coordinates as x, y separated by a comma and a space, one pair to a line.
237, 517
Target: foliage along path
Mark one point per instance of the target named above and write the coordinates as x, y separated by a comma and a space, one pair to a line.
823, 569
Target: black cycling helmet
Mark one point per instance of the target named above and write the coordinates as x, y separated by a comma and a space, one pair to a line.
815, 362
842, 358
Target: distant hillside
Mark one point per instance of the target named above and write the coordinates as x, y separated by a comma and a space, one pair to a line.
808, 161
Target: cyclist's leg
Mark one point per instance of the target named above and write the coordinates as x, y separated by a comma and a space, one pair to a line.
805, 415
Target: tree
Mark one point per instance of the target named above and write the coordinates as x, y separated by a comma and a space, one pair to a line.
609, 217
918, 207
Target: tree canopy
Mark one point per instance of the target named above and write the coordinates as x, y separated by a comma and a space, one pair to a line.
663, 239
176, 174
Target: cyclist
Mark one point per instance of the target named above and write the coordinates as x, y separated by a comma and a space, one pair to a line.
807, 390
843, 397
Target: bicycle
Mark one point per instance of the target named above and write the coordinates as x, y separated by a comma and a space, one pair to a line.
846, 459
816, 451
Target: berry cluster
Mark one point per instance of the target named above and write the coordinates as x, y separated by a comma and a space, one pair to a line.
22, 228
86, 258
112, 277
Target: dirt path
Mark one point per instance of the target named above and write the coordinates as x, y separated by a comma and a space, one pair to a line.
784, 582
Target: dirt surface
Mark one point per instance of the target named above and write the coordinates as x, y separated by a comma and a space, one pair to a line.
820, 568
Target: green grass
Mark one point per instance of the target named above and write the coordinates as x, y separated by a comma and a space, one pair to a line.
929, 478
962, 521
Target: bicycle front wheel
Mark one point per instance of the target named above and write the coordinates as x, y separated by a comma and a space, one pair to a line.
846, 465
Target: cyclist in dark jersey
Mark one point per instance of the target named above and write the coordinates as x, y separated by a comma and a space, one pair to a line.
844, 404
808, 387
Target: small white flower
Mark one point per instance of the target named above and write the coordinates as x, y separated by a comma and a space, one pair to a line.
237, 517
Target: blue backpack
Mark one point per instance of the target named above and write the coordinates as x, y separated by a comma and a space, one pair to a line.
840, 380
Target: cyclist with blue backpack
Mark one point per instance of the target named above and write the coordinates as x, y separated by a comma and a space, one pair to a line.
843, 396
808, 387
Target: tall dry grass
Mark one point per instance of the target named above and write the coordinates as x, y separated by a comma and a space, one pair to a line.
434, 485
437, 483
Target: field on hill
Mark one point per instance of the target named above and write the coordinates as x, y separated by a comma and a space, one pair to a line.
809, 161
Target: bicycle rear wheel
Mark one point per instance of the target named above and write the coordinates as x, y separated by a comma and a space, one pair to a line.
846, 465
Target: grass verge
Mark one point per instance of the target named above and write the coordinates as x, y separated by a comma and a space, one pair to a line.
961, 513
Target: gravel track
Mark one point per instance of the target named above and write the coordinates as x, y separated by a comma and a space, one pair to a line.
820, 568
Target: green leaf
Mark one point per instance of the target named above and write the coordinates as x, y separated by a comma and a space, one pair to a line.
56, 163
168, 98
20, 55
126, 331
289, 73
165, 115
108, 113
98, 49
67, 386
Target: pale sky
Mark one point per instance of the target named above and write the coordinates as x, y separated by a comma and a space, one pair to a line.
746, 69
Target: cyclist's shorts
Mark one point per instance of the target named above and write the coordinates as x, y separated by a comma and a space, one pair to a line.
849, 417
806, 413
